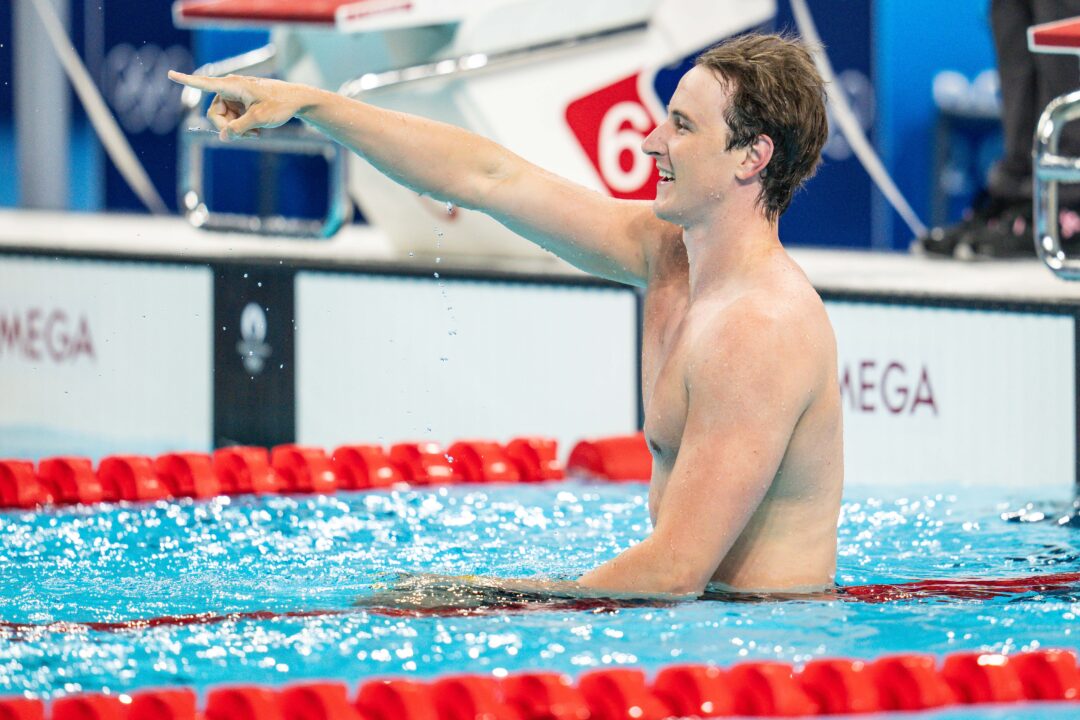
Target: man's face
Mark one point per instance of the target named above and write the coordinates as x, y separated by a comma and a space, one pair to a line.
696, 172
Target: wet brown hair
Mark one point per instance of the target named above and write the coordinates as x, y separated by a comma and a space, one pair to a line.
774, 90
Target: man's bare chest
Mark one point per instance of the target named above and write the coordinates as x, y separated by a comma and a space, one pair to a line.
664, 390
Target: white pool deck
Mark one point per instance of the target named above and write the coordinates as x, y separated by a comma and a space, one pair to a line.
172, 239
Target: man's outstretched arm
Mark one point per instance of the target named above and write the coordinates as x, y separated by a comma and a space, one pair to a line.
596, 233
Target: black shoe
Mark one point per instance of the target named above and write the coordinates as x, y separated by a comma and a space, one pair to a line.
1009, 235
1012, 236
944, 241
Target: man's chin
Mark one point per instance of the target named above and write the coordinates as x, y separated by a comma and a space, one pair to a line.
663, 211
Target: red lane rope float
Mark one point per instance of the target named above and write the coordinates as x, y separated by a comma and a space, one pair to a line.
21, 709
424, 464
765, 689
244, 471
283, 469
364, 467
614, 458
130, 477
536, 459
480, 461
188, 475
19, 487
304, 469
70, 480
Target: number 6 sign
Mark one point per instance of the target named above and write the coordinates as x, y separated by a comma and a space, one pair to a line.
610, 124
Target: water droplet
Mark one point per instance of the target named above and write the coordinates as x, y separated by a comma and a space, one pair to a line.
436, 276
444, 358
451, 332
245, 276
224, 328
259, 284
412, 254
438, 260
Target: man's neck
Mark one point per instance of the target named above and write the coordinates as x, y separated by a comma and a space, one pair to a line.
727, 247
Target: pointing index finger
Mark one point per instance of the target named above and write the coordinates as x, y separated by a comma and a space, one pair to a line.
199, 82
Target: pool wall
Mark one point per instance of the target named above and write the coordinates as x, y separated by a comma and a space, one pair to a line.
121, 334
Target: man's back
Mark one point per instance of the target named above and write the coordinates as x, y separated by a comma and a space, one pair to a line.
789, 542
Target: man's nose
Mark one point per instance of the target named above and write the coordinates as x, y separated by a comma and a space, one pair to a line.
651, 145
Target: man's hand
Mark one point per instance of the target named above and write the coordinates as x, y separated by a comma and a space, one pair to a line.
243, 105
452, 594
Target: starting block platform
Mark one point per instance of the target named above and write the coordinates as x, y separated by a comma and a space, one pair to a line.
1062, 37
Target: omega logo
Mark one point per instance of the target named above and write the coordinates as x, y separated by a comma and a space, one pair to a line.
37, 334
252, 346
870, 387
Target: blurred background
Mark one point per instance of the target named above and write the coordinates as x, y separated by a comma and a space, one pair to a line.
919, 75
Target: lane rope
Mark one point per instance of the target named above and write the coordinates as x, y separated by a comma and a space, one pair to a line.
830, 686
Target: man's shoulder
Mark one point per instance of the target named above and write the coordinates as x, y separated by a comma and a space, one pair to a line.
785, 301
779, 323
757, 309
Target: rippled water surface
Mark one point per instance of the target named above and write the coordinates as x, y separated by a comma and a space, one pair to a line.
105, 566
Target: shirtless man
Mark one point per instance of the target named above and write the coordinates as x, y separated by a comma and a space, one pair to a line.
742, 405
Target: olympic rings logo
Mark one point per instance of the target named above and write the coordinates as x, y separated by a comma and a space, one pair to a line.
859, 92
138, 89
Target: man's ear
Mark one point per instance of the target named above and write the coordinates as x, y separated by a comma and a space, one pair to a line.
757, 157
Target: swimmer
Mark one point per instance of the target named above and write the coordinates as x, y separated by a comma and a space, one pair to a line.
739, 376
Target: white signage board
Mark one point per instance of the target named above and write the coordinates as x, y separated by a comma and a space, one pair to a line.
389, 359
955, 397
104, 357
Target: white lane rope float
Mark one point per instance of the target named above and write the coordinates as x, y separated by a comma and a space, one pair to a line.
849, 124
105, 125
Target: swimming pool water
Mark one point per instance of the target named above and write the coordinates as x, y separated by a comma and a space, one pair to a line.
111, 564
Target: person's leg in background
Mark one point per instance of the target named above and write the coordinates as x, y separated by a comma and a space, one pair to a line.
1027, 86
1000, 226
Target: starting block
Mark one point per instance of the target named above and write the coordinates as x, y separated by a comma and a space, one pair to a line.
1062, 37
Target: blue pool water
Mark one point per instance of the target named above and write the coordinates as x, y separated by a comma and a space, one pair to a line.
284, 554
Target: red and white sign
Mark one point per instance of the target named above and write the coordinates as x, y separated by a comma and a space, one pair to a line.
610, 124
948, 397
99, 357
